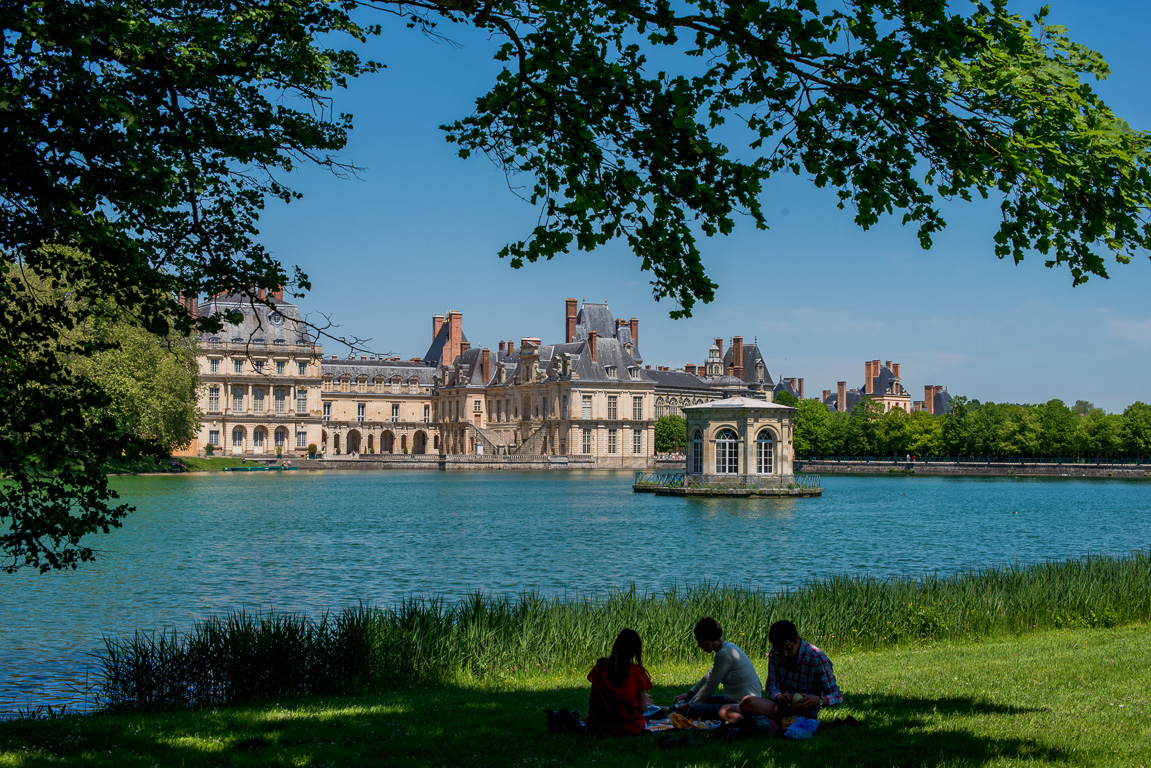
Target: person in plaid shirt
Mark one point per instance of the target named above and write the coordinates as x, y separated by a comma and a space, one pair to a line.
800, 680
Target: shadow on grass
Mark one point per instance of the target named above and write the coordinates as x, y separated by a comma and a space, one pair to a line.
454, 726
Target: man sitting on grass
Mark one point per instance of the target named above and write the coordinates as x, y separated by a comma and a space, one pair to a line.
799, 678
731, 668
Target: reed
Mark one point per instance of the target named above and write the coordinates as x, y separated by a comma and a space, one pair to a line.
243, 656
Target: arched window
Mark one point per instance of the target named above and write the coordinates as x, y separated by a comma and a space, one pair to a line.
238, 437
697, 453
727, 452
764, 452
281, 437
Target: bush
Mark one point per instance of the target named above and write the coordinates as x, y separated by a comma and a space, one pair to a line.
311, 450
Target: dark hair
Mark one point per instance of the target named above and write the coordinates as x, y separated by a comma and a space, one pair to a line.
708, 628
626, 650
781, 632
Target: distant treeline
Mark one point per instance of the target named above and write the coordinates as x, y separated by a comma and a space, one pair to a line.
974, 429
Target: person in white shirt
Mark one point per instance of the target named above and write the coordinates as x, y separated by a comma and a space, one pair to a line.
731, 668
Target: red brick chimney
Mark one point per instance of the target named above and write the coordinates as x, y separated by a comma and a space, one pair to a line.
569, 329
465, 346
192, 304
867, 377
591, 339
731, 370
841, 397
437, 323
485, 364
929, 398
801, 389
826, 395
455, 337
635, 333
261, 293
278, 293
719, 343
690, 368
510, 346
737, 356
895, 369
501, 347
875, 368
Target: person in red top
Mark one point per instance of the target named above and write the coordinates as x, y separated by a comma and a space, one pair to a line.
619, 686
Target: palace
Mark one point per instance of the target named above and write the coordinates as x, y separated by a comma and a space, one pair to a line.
269, 390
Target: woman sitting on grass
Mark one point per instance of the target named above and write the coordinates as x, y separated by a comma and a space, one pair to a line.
619, 686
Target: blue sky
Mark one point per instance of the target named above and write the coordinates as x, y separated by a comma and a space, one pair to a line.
417, 235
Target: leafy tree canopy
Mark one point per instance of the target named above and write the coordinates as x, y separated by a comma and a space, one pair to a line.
148, 136
670, 434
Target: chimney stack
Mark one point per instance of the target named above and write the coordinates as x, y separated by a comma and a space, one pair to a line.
801, 389
501, 347
731, 370
895, 369
841, 397
569, 330
455, 336
826, 395
690, 368
485, 364
278, 293
510, 346
465, 346
591, 339
737, 355
929, 399
719, 343
635, 334
437, 323
875, 368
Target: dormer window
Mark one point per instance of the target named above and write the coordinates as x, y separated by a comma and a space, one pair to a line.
610, 371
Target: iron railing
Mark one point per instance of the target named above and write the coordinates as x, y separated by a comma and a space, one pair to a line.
665, 479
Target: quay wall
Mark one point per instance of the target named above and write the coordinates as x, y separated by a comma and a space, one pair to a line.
472, 462
966, 469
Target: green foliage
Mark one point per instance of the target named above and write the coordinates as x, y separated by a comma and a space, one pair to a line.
788, 399
1137, 428
810, 429
896, 105
670, 434
312, 449
243, 656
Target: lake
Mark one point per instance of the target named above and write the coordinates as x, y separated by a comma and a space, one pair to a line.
308, 541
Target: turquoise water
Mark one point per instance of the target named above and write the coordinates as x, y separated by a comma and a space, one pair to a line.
310, 541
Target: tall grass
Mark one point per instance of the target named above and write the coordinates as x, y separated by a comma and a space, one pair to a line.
243, 656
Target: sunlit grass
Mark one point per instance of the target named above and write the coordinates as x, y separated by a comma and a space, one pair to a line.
1062, 698
242, 657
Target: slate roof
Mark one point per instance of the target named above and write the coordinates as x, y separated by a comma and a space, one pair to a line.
677, 380
942, 402
853, 398
884, 383
271, 326
751, 356
386, 369
436, 350
785, 386
598, 318
740, 403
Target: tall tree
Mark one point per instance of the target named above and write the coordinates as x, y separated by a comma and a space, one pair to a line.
670, 434
1137, 429
148, 135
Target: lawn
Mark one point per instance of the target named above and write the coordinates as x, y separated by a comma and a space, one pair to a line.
1050, 698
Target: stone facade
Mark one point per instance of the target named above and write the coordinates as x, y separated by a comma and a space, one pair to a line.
739, 436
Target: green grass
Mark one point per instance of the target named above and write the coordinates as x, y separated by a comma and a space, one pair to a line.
1061, 698
243, 657
145, 464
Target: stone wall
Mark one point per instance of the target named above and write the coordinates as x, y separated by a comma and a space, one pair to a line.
451, 462
965, 469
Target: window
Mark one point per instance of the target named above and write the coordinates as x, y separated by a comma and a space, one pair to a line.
361, 409
213, 437
499, 411
237, 399
327, 411
610, 371
564, 408
302, 400
214, 366
697, 453
637, 441
659, 407
258, 438
281, 397
395, 411
426, 408
476, 407
612, 407
611, 441
213, 399
301, 440
395, 387
237, 366
281, 367
362, 384
637, 408
258, 399
281, 437
413, 388
727, 452
238, 437
764, 452
327, 386
302, 369
586, 411
258, 365
587, 441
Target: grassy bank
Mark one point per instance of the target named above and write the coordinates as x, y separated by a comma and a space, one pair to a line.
149, 464
1050, 698
244, 657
